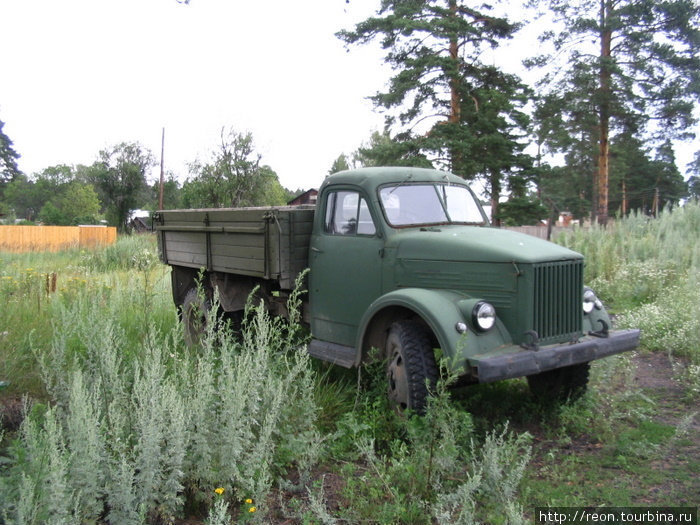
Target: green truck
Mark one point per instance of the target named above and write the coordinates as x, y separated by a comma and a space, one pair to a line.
403, 261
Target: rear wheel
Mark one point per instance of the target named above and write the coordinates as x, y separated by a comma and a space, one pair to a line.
411, 368
560, 384
195, 309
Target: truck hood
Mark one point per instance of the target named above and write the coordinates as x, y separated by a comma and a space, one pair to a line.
475, 244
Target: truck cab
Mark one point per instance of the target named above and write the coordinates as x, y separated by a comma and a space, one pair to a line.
404, 260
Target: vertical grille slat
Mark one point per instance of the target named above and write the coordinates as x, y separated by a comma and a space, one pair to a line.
557, 300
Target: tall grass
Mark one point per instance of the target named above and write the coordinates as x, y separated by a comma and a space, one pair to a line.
671, 240
139, 429
131, 289
648, 271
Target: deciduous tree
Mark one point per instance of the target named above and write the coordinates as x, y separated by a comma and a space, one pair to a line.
119, 176
233, 177
76, 204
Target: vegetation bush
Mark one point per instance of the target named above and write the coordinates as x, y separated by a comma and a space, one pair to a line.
136, 433
648, 271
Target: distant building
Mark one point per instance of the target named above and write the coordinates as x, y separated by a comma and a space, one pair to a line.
308, 197
139, 221
140, 224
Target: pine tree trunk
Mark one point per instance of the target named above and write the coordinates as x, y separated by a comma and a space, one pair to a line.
455, 101
604, 112
495, 196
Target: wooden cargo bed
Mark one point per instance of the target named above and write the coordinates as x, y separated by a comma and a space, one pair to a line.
268, 243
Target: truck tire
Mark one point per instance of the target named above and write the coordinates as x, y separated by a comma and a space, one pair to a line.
561, 384
411, 370
195, 309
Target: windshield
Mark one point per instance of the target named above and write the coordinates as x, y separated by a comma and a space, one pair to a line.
421, 204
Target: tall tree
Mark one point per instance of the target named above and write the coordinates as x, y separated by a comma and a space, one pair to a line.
443, 103
638, 182
28, 195
339, 164
693, 170
77, 203
383, 150
8, 160
234, 177
669, 185
119, 176
172, 197
644, 69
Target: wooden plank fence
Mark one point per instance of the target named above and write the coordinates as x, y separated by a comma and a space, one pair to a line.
54, 238
538, 231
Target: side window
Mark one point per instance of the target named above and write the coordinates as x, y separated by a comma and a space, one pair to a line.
347, 214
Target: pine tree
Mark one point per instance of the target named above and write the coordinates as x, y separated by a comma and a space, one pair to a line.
443, 103
642, 69
8, 160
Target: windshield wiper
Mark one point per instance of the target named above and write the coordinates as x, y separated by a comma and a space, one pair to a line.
442, 197
410, 176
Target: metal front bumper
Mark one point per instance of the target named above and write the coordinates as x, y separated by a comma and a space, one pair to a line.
527, 362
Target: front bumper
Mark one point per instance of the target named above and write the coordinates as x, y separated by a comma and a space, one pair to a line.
522, 362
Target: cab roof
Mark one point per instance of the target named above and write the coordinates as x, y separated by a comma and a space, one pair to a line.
371, 178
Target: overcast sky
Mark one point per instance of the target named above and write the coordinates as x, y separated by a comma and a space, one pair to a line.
79, 76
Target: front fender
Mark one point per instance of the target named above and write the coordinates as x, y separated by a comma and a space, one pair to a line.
441, 311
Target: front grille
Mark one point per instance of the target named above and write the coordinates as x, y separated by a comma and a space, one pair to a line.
557, 300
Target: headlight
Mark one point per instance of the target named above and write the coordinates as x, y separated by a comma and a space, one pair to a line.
590, 301
483, 316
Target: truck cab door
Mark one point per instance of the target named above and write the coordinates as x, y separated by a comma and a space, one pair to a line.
346, 266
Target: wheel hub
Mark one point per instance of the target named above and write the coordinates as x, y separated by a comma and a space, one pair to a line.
398, 381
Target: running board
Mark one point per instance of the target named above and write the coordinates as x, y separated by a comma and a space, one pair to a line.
333, 353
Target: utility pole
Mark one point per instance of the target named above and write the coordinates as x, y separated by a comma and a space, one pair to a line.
162, 150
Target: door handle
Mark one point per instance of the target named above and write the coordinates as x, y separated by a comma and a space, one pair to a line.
316, 250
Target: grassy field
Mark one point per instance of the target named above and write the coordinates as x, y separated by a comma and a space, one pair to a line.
108, 418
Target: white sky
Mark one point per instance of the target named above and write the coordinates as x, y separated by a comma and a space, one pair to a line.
79, 76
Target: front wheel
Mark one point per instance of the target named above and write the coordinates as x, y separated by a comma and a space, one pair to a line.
411, 369
561, 384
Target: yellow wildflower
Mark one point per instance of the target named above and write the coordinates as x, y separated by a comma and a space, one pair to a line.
249, 501
219, 490
252, 509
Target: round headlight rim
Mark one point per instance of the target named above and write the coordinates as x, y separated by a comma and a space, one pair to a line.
590, 301
477, 318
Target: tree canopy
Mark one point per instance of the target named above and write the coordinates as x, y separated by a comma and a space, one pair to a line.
444, 105
640, 77
8, 160
119, 177
233, 177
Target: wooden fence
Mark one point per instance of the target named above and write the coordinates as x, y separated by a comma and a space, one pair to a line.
538, 231
54, 238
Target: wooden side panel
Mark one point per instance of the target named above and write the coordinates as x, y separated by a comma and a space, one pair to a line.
242, 253
270, 243
185, 249
297, 247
